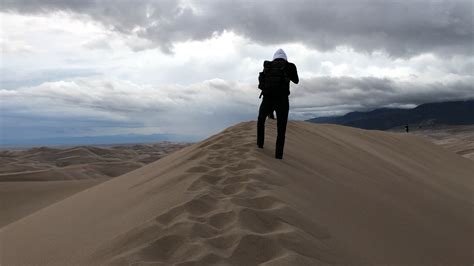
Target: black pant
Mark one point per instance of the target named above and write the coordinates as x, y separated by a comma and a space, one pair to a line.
281, 106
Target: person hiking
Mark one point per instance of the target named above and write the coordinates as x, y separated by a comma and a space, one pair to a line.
274, 81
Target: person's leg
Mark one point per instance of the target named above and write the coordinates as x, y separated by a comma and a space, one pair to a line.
265, 107
282, 109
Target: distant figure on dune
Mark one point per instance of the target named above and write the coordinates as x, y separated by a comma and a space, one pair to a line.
274, 81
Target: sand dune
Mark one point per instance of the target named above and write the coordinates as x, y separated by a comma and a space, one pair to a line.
458, 139
19, 199
14, 162
35, 178
340, 196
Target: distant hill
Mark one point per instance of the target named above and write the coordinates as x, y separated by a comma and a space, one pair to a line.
94, 140
442, 113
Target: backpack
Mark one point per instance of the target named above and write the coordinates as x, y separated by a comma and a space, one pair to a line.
273, 81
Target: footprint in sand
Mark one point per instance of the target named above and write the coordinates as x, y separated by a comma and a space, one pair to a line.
201, 205
232, 189
242, 185
246, 190
223, 241
198, 169
258, 186
243, 151
235, 179
198, 185
259, 221
199, 230
214, 165
207, 180
258, 203
208, 259
210, 179
197, 206
221, 159
222, 220
175, 247
242, 166
263, 249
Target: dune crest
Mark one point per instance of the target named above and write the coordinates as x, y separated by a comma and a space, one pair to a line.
341, 195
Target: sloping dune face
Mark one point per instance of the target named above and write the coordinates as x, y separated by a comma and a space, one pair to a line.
341, 195
35, 178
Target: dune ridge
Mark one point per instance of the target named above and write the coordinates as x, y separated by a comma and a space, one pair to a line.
230, 210
340, 196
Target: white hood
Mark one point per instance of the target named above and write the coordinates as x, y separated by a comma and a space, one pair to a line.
280, 54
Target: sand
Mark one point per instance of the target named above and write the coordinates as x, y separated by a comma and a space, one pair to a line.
31, 179
340, 196
458, 139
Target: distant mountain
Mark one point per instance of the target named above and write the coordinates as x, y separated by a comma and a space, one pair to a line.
442, 113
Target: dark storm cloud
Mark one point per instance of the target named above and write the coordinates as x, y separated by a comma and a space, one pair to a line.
400, 28
337, 95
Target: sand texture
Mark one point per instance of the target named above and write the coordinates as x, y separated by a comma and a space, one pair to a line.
458, 139
32, 179
340, 196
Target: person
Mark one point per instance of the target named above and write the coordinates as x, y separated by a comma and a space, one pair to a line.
275, 84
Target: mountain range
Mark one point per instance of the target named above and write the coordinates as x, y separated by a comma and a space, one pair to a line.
429, 114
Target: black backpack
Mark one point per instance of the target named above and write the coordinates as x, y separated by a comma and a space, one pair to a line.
273, 81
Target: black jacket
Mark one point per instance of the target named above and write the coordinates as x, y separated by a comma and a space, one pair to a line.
290, 71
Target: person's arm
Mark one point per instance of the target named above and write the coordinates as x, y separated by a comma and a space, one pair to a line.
293, 74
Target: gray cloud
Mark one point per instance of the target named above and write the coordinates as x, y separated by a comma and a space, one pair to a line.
13, 79
198, 109
400, 28
100, 44
323, 96
97, 105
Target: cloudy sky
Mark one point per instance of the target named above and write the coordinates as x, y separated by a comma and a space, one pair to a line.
107, 67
